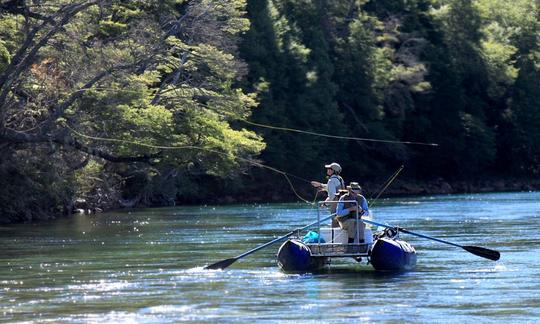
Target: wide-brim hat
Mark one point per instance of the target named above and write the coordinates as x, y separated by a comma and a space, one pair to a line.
354, 186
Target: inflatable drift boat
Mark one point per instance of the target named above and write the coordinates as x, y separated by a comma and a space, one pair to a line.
383, 250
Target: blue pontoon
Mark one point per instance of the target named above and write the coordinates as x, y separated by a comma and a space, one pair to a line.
383, 249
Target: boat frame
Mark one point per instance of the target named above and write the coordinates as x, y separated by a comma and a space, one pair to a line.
339, 250
384, 250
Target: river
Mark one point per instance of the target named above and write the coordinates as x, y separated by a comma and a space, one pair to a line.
145, 266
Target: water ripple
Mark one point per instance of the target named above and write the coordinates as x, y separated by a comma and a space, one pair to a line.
147, 266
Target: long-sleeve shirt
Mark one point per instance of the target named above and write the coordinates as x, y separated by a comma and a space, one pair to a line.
332, 186
362, 203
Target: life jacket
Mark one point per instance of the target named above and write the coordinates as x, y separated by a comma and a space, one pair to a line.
341, 190
360, 199
341, 182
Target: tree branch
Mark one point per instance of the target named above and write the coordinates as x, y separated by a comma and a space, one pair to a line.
19, 7
12, 137
59, 111
22, 60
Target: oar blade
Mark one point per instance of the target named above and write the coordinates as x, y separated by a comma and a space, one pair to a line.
221, 264
483, 252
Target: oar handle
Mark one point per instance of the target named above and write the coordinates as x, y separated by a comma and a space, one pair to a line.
401, 229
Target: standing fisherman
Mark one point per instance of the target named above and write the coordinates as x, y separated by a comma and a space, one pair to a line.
332, 187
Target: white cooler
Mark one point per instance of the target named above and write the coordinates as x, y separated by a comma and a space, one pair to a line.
339, 236
334, 235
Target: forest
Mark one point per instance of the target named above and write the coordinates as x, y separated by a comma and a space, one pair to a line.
107, 104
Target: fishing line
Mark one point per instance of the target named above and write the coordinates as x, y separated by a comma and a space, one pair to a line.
285, 174
363, 139
190, 147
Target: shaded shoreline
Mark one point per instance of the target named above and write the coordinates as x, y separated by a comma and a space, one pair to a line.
399, 188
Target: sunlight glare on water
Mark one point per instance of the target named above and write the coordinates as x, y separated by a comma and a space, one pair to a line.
146, 266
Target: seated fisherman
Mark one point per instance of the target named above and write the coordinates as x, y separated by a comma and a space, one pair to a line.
346, 212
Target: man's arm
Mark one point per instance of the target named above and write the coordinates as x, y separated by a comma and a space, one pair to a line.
316, 184
319, 186
364, 206
341, 210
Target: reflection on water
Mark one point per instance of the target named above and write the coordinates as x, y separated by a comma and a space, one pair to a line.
147, 266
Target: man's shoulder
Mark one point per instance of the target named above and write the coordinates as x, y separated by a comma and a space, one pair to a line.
334, 180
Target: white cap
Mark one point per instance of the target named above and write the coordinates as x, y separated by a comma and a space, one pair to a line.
334, 166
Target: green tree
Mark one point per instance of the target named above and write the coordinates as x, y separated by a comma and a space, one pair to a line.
121, 82
453, 112
373, 92
290, 68
523, 114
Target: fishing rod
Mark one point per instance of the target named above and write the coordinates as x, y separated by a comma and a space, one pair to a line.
387, 184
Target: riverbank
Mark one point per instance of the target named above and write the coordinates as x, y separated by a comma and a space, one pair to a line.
441, 186
400, 187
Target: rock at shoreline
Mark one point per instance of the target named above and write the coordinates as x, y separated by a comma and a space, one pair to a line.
80, 203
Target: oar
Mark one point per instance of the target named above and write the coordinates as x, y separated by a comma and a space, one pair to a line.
227, 262
476, 250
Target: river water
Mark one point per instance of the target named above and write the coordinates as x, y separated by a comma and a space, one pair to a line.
145, 266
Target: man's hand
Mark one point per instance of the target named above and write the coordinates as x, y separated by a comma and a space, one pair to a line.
316, 184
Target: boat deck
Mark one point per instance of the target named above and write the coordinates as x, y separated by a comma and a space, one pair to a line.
338, 250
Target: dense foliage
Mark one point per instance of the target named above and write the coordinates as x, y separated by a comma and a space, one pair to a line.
119, 102
459, 73
106, 103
